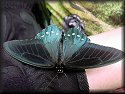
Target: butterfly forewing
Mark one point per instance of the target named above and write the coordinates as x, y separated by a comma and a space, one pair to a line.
93, 55
41, 51
76, 50
30, 52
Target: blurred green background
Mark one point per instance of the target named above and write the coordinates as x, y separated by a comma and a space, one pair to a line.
99, 16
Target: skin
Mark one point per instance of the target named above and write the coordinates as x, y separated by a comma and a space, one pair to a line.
110, 77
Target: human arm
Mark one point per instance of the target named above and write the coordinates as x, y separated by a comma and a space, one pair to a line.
109, 77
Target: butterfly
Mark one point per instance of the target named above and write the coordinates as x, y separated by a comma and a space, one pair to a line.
53, 48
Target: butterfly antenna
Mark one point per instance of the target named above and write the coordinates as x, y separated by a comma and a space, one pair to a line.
50, 82
65, 75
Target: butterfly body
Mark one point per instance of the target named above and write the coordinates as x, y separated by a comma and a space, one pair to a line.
59, 49
64, 51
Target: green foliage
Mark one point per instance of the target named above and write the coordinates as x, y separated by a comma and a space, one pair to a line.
98, 16
92, 28
110, 12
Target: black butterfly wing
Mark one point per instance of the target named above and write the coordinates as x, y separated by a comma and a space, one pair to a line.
93, 55
41, 51
31, 52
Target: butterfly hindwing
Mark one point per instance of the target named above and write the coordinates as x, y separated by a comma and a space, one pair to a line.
41, 51
50, 38
73, 40
77, 52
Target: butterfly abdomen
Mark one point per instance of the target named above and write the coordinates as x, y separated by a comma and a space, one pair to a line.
59, 66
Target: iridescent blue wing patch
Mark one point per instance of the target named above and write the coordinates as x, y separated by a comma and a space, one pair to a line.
73, 40
76, 50
50, 38
41, 51
79, 53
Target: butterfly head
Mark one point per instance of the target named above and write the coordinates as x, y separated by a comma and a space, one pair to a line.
59, 68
